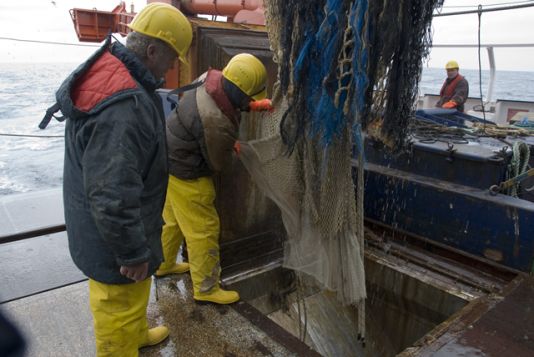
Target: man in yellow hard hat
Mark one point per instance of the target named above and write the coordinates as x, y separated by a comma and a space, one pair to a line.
116, 172
201, 133
455, 89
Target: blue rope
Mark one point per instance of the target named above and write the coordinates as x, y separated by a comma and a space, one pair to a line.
316, 65
360, 57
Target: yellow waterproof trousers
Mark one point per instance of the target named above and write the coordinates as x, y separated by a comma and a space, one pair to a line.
190, 212
119, 314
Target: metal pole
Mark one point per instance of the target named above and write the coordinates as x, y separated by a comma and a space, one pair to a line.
484, 10
491, 85
32, 234
494, 45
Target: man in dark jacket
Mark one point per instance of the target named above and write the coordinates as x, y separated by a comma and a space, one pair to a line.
455, 89
115, 173
201, 134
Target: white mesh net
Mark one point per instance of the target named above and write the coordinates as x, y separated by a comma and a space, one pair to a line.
315, 193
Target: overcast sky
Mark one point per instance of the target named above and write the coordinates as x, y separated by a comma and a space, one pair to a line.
48, 20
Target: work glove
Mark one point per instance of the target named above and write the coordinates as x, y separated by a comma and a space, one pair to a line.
237, 148
451, 104
261, 105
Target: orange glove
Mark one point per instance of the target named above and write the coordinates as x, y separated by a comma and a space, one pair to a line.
261, 105
451, 104
237, 148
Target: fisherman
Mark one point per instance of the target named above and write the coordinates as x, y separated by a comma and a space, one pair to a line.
202, 134
115, 173
455, 89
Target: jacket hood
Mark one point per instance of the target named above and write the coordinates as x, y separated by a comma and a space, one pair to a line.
111, 74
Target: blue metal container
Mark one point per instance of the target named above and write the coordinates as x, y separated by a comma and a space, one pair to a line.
440, 191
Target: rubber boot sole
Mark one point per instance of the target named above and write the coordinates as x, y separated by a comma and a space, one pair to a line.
164, 273
201, 302
207, 302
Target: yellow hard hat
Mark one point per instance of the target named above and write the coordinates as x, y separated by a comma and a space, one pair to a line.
166, 23
452, 65
248, 73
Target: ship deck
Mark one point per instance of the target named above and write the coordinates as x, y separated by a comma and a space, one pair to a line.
494, 325
456, 308
59, 323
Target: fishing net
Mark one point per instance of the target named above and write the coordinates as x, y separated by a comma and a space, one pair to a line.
344, 66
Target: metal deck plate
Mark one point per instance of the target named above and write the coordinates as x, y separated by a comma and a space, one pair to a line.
35, 265
31, 211
58, 323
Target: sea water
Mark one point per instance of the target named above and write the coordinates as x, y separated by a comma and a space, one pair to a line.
27, 90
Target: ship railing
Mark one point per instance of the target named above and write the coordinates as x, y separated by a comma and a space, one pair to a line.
32, 233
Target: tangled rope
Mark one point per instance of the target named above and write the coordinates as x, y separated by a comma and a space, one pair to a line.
518, 164
429, 132
349, 61
499, 131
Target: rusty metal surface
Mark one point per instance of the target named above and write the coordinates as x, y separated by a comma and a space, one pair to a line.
508, 328
215, 47
214, 43
492, 270
486, 277
274, 331
406, 300
493, 326
243, 254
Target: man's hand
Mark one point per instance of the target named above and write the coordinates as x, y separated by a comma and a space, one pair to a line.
135, 272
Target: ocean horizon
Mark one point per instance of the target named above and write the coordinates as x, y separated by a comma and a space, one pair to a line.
28, 89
